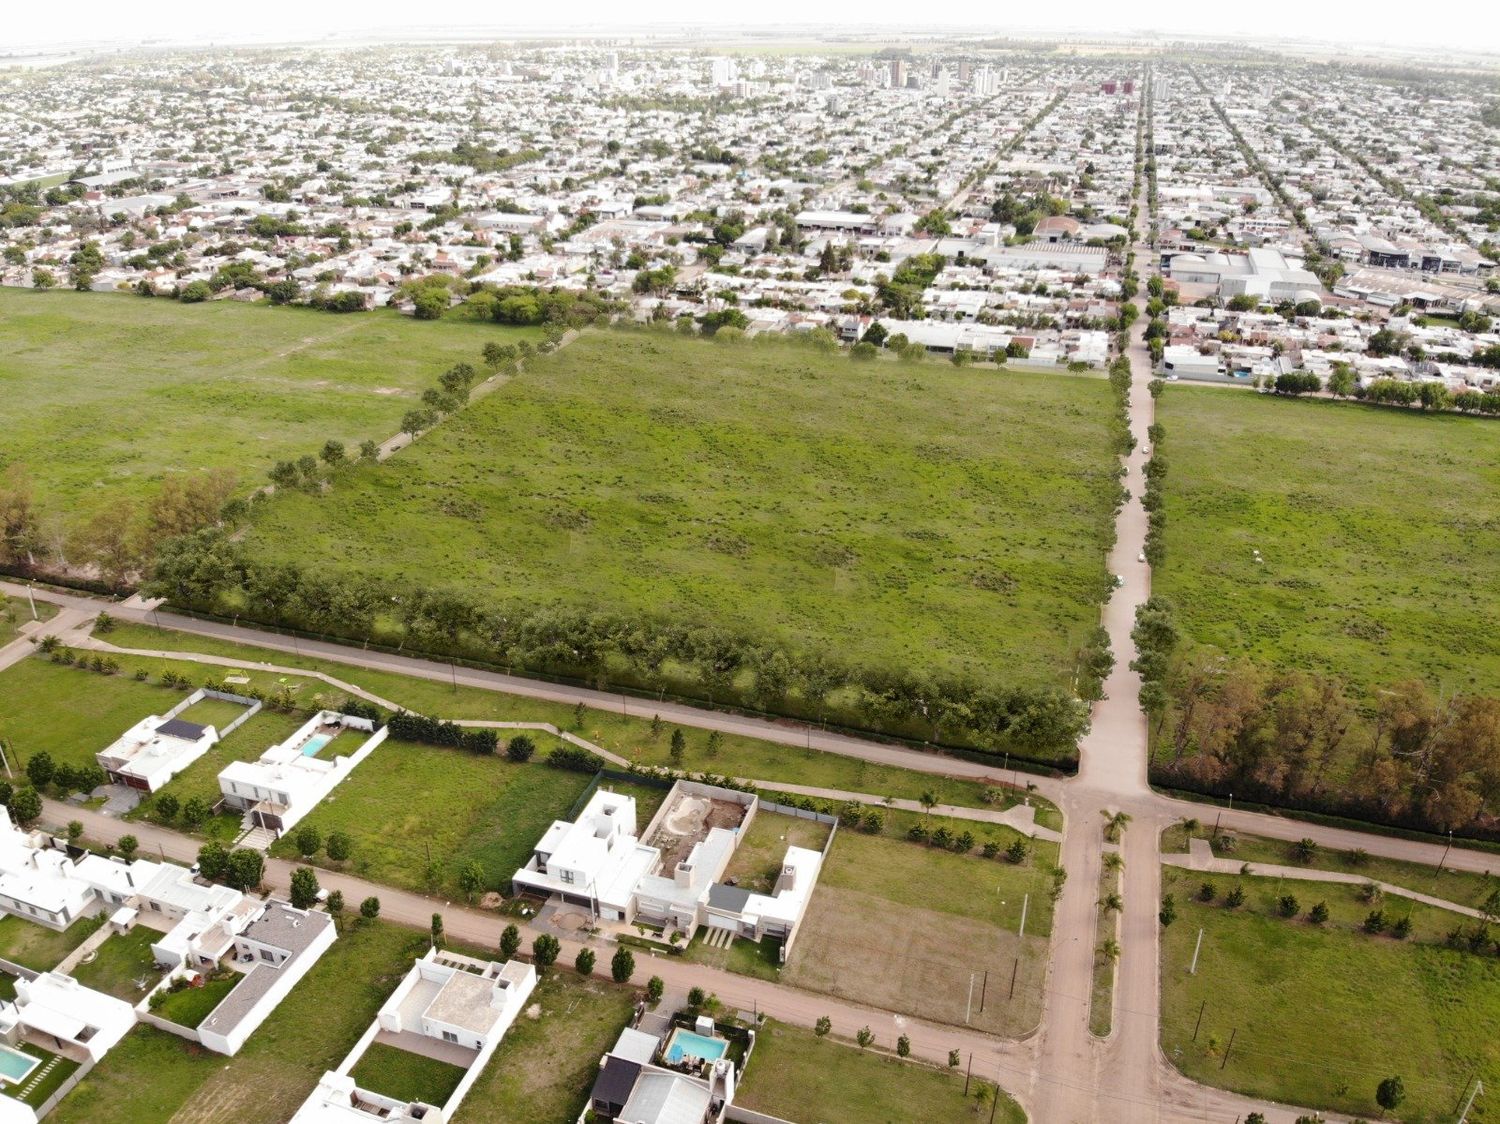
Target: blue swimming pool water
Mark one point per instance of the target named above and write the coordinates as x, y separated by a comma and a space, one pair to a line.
311, 746
684, 1043
14, 1065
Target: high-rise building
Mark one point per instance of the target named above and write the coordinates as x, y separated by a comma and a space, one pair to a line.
898, 74
965, 69
722, 72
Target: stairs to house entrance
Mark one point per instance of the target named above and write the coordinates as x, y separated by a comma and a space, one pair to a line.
256, 838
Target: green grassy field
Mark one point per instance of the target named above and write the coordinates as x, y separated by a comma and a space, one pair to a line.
192, 1005
1378, 528
135, 389
1321, 1014
902, 514
152, 1076
15, 611
409, 802
798, 1076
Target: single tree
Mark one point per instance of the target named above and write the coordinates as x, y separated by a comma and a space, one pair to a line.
332, 454
822, 1026
369, 909
697, 997
1235, 898
622, 965
41, 769
1168, 912
304, 888
213, 860
436, 928
338, 846
715, 743
75, 831
167, 807
1305, 850
954, 1059
520, 748
25, 806
194, 811
245, 869
1288, 906
128, 845
928, 800
584, 962
864, 1037
510, 942
471, 878
336, 904
544, 950
655, 988
1390, 1093
678, 747
903, 1047
309, 841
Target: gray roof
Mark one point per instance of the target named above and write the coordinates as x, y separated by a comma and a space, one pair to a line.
181, 728
614, 1084
722, 896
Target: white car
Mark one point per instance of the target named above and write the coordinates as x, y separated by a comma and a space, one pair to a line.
1141, 557
1119, 581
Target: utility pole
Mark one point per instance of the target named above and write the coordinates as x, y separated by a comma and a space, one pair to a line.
1199, 1023
1232, 1033
1025, 901
968, 1073
995, 1100
969, 1009
32, 599
1193, 971
1444, 859
983, 989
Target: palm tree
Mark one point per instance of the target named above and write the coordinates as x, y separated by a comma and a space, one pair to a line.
928, 800
1114, 824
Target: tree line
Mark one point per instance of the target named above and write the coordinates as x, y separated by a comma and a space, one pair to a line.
208, 572
1296, 738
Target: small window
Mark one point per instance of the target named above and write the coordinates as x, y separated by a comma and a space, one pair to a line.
449, 1036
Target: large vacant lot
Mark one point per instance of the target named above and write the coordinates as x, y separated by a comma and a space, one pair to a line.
134, 388
1379, 528
953, 518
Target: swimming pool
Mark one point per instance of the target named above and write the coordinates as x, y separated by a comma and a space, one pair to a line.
684, 1043
311, 746
15, 1066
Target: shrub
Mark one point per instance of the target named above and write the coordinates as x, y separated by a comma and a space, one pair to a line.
1318, 914
520, 748
1375, 922
1235, 898
1288, 906
584, 963
1206, 892
622, 965
574, 758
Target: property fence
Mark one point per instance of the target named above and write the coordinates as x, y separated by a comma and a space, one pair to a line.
743, 1115
18, 969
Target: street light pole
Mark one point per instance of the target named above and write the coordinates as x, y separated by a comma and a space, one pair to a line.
1444, 859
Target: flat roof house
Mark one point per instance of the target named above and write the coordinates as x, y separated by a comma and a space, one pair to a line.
631, 1089
291, 778
158, 747
448, 1007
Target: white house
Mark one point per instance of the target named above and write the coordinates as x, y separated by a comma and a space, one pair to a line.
631, 1089
58, 1006
597, 861
158, 747
449, 1007
291, 778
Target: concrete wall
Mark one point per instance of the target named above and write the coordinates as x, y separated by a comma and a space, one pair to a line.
229, 1042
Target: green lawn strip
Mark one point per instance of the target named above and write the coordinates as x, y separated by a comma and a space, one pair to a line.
152, 1076
119, 962
1380, 571
404, 1076
192, 1005
39, 948
1460, 887
409, 805
1321, 1014
546, 1065
7, 986
1106, 926
760, 959
61, 1070
16, 611
235, 386
796, 1075
630, 737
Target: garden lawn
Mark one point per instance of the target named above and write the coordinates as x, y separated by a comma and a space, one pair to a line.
410, 804
630, 737
38, 947
119, 962
798, 1076
192, 1005
1320, 1015
405, 1076
901, 514
882, 901
64, 1068
135, 389
546, 1065
152, 1076
1378, 530
756, 863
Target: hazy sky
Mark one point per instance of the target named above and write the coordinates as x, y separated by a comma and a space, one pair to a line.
196, 20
